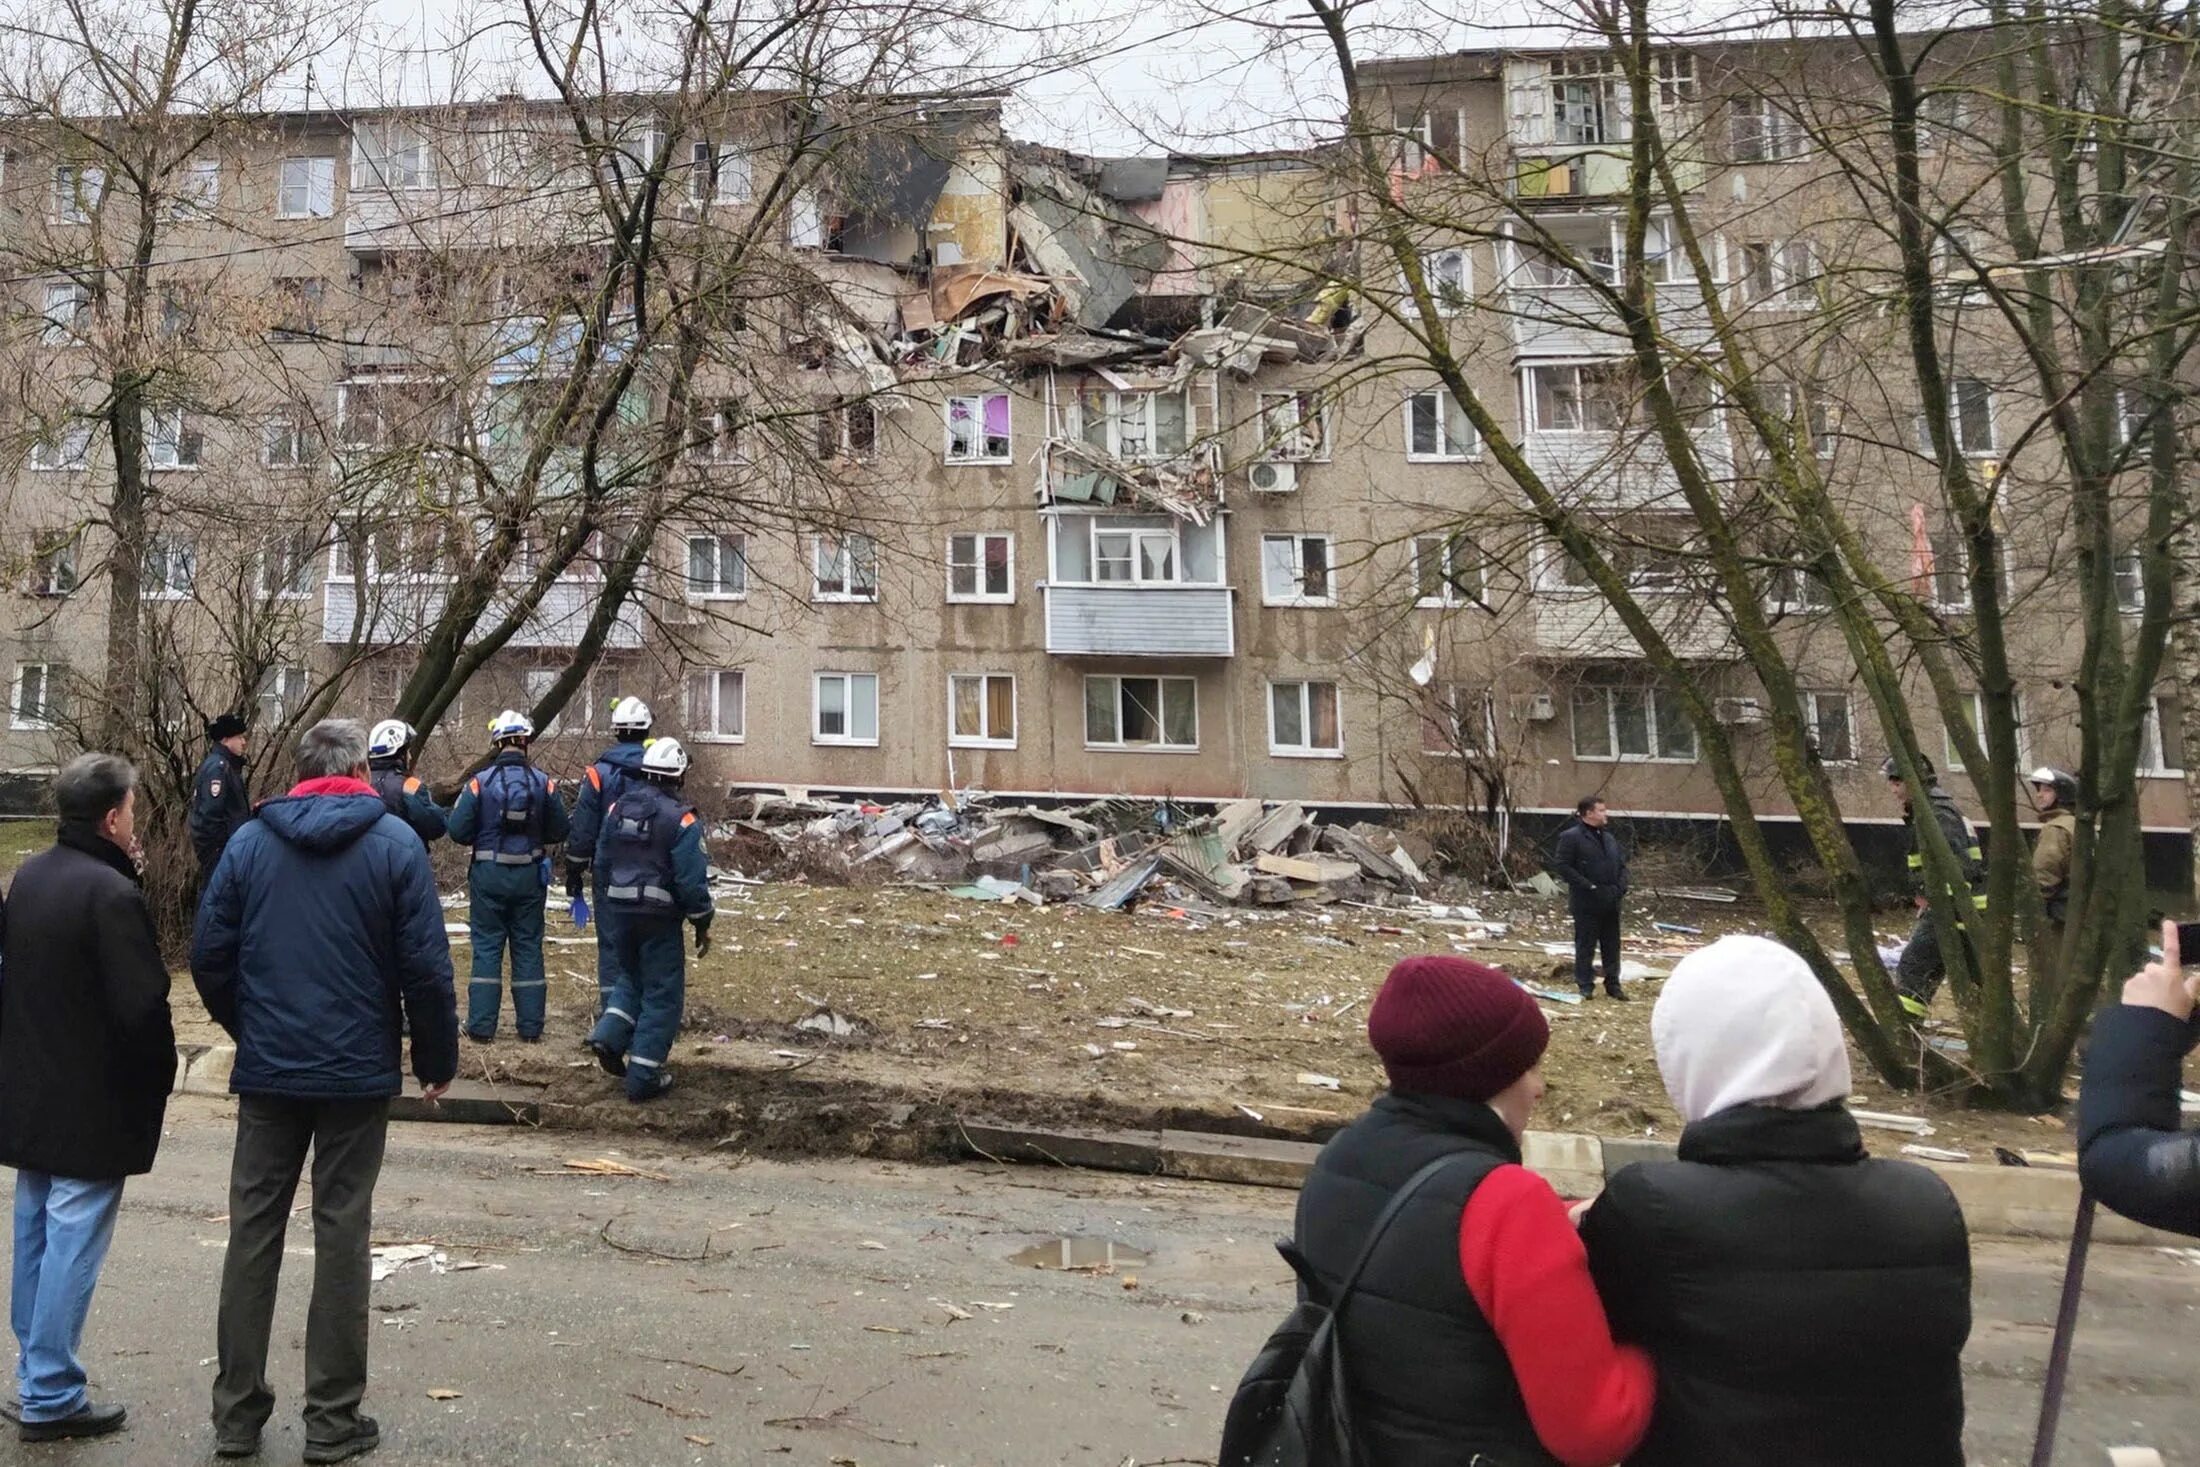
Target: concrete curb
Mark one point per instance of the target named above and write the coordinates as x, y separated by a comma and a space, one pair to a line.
204, 1070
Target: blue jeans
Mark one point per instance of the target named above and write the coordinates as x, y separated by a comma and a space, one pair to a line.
504, 907
641, 1017
62, 1229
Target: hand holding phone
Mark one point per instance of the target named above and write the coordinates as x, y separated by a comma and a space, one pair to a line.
2163, 984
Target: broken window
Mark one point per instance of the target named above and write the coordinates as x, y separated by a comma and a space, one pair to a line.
1295, 570
718, 566
1950, 570
845, 708
1629, 721
1141, 712
1970, 419
1973, 711
305, 188
717, 704
1302, 719
1437, 430
844, 568
981, 710
977, 428
1293, 426
1578, 249
715, 435
1447, 571
1832, 733
1426, 135
1582, 105
980, 567
1793, 588
848, 430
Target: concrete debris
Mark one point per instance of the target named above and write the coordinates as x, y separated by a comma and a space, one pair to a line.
1110, 854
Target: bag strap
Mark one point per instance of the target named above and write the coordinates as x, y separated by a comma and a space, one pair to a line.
1383, 1221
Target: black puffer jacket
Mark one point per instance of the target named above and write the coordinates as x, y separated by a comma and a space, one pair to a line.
1805, 1306
2132, 1151
1430, 1384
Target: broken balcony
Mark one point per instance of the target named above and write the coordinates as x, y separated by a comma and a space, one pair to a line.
1137, 586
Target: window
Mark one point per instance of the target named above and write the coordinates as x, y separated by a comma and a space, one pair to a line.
1580, 397
282, 695
68, 312
38, 700
53, 564
172, 441
2129, 578
305, 188
285, 443
1793, 588
1970, 419
2162, 737
1302, 721
1149, 427
1459, 721
171, 567
1629, 722
535, 685
1447, 571
1449, 276
298, 302
716, 434
71, 448
1141, 713
981, 710
1136, 550
418, 550
1134, 556
286, 564
717, 705
2135, 415
1832, 733
1943, 119
1776, 273
844, 708
393, 155
1823, 437
1293, 426
1974, 714
1423, 136
981, 568
198, 189
848, 430
805, 221
977, 429
178, 312
1581, 90
1296, 570
844, 568
1437, 430
1949, 570
1759, 131
718, 567
77, 191
735, 180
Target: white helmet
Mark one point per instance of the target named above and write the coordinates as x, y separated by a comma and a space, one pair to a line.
664, 759
389, 738
631, 715
510, 724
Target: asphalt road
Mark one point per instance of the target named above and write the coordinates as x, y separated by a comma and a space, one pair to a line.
844, 1312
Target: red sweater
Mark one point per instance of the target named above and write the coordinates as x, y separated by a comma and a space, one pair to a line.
1588, 1398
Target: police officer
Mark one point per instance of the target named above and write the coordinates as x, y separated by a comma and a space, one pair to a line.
391, 750
510, 813
1924, 963
220, 801
606, 779
650, 860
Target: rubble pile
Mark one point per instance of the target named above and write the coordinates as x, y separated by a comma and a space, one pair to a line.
1109, 854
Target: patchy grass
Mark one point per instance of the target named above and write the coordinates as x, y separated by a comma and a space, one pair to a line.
20, 840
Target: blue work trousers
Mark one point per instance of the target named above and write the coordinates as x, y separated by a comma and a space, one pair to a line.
505, 910
609, 970
62, 1229
641, 1017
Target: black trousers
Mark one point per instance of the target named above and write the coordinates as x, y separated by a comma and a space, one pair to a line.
1593, 930
273, 1135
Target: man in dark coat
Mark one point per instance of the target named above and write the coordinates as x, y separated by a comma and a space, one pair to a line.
1589, 860
321, 923
2132, 1153
87, 1058
220, 799
1924, 960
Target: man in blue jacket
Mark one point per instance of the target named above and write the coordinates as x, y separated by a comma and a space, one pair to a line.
320, 924
511, 814
391, 750
606, 778
655, 875
2133, 1153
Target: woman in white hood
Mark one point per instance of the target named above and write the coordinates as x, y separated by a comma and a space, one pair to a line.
1805, 1304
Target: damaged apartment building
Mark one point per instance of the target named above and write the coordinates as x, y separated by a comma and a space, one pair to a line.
1082, 477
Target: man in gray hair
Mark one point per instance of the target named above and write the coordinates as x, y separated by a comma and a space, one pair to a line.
321, 922
87, 1058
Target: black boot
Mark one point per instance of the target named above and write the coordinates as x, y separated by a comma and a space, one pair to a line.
1613, 990
89, 1419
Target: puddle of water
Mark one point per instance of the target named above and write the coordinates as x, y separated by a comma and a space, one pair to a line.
1075, 1255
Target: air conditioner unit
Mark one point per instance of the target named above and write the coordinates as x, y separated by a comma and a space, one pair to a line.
1271, 477
1739, 711
1536, 708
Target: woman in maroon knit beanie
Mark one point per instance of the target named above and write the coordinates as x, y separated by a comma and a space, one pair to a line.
1475, 1334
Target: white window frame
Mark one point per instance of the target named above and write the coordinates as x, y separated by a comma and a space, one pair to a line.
1654, 698
1449, 549
199, 190
309, 182
172, 443
377, 145
989, 738
1774, 135
836, 436
53, 565
67, 312
279, 429
716, 589
1295, 544
77, 200
1294, 426
1453, 704
978, 541
1139, 537
171, 568
850, 682
1977, 704
1449, 418
1813, 707
1185, 686
850, 554
1531, 396
299, 585
48, 712
1449, 275
974, 403
71, 452
719, 681
2128, 569
1790, 265
1306, 749
733, 176
281, 689
2151, 763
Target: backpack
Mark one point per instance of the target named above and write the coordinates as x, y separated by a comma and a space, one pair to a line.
1292, 1408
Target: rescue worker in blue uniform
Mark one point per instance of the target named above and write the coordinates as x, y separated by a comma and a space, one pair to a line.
607, 778
221, 802
654, 873
510, 814
391, 750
